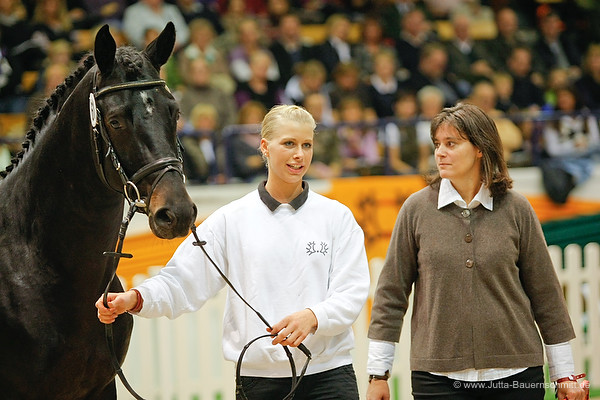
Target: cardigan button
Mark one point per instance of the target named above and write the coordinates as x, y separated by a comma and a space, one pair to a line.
469, 263
465, 213
468, 238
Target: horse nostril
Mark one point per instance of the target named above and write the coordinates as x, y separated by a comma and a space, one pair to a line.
164, 216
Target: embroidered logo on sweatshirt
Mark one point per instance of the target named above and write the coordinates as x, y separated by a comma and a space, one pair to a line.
311, 248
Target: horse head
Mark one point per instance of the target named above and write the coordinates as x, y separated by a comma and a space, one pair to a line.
134, 121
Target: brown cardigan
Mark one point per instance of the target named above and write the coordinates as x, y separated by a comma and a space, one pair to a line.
482, 282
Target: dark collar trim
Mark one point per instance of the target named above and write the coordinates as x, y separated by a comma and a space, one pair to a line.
272, 204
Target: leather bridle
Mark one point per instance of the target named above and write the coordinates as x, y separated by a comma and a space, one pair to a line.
98, 132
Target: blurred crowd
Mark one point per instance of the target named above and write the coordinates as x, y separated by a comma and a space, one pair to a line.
372, 72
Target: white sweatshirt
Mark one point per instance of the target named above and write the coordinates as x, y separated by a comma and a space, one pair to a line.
306, 254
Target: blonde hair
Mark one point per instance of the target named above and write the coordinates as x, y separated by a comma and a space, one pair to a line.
285, 113
202, 110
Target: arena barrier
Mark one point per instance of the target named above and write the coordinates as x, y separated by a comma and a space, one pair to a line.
181, 359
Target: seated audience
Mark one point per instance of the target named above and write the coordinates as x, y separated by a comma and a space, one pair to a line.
153, 14
245, 163
288, 47
326, 162
198, 140
384, 84
431, 101
259, 87
400, 136
570, 143
359, 144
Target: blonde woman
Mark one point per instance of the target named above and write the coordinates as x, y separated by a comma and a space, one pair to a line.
298, 256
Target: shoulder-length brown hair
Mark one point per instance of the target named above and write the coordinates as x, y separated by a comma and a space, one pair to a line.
478, 128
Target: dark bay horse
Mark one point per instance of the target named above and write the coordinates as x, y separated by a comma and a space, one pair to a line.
108, 130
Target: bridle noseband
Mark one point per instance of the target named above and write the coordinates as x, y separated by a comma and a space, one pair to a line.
163, 165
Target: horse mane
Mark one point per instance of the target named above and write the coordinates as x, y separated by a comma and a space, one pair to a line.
52, 106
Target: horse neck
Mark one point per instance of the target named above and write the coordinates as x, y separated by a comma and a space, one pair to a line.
74, 209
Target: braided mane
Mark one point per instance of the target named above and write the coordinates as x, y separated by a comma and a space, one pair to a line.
52, 106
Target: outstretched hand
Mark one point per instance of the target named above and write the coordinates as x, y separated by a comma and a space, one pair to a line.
118, 303
294, 328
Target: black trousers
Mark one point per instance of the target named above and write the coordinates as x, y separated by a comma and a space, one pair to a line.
527, 385
336, 384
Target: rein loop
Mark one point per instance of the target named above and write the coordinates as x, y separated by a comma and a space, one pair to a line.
238, 376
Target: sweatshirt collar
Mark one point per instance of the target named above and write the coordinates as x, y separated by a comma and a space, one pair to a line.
272, 204
448, 194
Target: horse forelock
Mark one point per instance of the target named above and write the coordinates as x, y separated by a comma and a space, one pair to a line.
51, 107
132, 62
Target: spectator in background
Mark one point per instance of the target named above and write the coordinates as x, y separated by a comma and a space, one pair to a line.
233, 12
199, 89
105, 11
415, 33
556, 78
310, 78
288, 47
527, 85
371, 43
327, 161
276, 9
153, 14
433, 71
16, 37
244, 159
384, 84
359, 144
391, 14
12, 98
202, 45
467, 57
484, 97
317, 11
197, 9
51, 21
509, 37
476, 12
52, 76
59, 52
400, 137
570, 142
250, 41
588, 86
336, 48
347, 82
198, 140
259, 87
431, 101
503, 83
556, 48
441, 10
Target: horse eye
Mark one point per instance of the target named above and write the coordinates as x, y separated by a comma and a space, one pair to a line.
115, 124
177, 115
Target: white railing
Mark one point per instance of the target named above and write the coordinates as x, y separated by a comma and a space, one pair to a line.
181, 359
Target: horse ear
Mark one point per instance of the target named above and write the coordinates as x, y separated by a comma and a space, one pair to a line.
104, 50
159, 50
